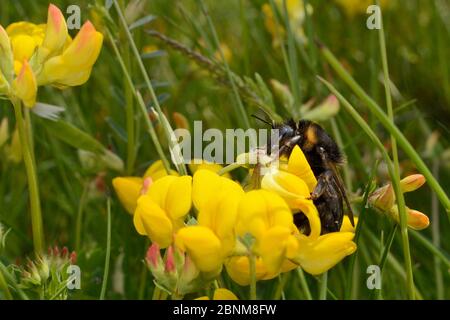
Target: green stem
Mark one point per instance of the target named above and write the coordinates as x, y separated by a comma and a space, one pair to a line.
156, 293
400, 200
228, 168
129, 113
384, 120
279, 291
108, 251
30, 166
180, 166
252, 264
304, 284
323, 286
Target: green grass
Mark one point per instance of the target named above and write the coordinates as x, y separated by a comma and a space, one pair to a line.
395, 96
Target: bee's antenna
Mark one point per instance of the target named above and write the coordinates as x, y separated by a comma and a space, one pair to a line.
262, 120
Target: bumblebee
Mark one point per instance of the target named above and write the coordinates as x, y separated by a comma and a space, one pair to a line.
324, 157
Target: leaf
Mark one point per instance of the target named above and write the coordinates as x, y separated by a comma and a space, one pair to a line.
73, 136
141, 22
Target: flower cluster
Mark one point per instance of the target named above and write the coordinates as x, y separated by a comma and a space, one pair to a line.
214, 222
34, 55
383, 199
47, 274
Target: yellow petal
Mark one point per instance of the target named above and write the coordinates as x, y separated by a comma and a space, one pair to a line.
224, 294
205, 184
320, 255
274, 245
25, 87
157, 171
290, 187
238, 268
347, 225
25, 38
128, 190
259, 210
203, 247
150, 220
73, 67
55, 33
173, 195
179, 197
299, 166
219, 211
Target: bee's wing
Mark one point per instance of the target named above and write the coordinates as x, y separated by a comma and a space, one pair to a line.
341, 188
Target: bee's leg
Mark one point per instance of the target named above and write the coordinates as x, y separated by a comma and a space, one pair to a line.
322, 182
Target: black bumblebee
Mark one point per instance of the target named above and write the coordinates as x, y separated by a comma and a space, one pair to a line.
323, 155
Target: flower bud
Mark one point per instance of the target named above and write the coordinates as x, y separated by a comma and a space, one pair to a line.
170, 266
154, 260
6, 56
415, 219
383, 198
25, 86
282, 92
324, 111
180, 121
412, 182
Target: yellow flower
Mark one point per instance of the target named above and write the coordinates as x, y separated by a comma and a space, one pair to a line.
161, 211
221, 294
296, 15
238, 268
267, 217
216, 198
73, 67
45, 54
129, 189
